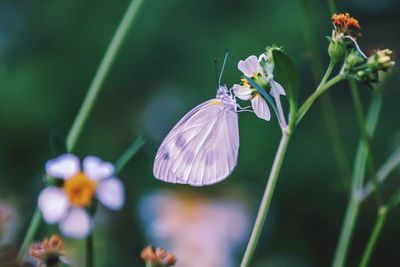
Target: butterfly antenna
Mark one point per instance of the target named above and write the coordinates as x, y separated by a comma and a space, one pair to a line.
216, 71
223, 66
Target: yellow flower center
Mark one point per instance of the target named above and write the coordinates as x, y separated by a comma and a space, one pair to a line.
245, 82
80, 190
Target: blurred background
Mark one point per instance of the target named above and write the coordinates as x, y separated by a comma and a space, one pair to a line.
49, 52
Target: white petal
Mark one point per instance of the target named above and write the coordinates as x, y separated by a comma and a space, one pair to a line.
242, 92
64, 166
111, 193
249, 66
77, 223
260, 107
53, 204
97, 169
276, 89
270, 70
263, 56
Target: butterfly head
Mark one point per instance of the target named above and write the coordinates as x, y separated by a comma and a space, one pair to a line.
225, 95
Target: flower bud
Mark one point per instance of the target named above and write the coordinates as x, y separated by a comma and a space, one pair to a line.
381, 60
353, 59
336, 49
158, 257
50, 252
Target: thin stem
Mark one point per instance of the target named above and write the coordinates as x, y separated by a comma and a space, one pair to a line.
379, 223
282, 119
88, 102
89, 251
364, 135
30, 234
266, 200
279, 157
102, 72
383, 172
357, 184
320, 90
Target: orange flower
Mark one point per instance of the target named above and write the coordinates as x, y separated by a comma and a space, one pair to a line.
158, 257
346, 24
49, 251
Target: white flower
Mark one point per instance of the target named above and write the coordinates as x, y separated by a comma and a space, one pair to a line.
252, 69
67, 205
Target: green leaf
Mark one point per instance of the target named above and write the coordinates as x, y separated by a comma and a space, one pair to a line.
286, 74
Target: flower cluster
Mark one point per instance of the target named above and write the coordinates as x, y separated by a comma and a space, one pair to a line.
344, 35
346, 25
260, 71
380, 60
71, 199
343, 45
157, 257
50, 252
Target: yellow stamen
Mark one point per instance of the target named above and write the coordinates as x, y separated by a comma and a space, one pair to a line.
245, 82
80, 190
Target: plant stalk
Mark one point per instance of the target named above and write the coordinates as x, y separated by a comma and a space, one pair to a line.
266, 200
379, 223
357, 185
320, 90
89, 251
88, 103
30, 234
102, 72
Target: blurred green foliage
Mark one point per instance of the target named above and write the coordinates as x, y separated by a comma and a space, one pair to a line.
49, 51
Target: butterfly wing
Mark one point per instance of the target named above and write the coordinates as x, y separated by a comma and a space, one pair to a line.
202, 147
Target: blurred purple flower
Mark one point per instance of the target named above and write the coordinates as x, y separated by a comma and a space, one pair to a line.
191, 225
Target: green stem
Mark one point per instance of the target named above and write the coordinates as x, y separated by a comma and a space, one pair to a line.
89, 251
266, 200
30, 234
387, 168
323, 86
379, 223
365, 136
88, 102
102, 72
279, 157
357, 186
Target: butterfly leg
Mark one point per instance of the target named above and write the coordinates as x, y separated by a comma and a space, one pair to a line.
243, 109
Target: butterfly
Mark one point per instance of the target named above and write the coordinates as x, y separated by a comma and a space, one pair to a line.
202, 148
